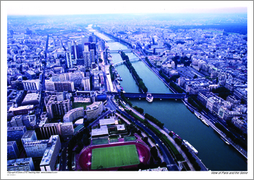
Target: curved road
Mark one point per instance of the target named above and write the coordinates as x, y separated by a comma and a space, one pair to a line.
171, 164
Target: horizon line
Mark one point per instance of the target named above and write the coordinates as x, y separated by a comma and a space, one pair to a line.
143, 13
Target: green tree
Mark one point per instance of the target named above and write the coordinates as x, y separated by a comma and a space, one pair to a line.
85, 140
140, 110
178, 141
136, 77
145, 139
154, 151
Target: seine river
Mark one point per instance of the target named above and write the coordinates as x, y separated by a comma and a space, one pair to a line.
214, 153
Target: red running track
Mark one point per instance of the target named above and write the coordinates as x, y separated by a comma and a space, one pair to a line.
85, 156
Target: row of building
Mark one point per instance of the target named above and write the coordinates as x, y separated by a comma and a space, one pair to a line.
47, 149
213, 52
229, 110
71, 73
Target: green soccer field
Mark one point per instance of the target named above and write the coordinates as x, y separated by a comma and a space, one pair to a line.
117, 156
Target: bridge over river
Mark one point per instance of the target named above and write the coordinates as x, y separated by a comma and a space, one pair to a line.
117, 51
121, 62
155, 95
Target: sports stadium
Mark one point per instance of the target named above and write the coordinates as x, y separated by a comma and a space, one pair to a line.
110, 155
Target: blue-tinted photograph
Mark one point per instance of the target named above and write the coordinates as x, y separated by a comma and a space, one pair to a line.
129, 86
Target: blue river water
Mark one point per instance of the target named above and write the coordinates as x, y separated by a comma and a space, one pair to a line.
214, 153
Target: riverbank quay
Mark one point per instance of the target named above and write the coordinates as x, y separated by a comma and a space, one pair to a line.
223, 136
156, 72
134, 52
115, 38
226, 139
217, 130
202, 166
167, 156
138, 80
192, 109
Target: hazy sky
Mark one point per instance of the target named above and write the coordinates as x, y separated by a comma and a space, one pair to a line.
105, 7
